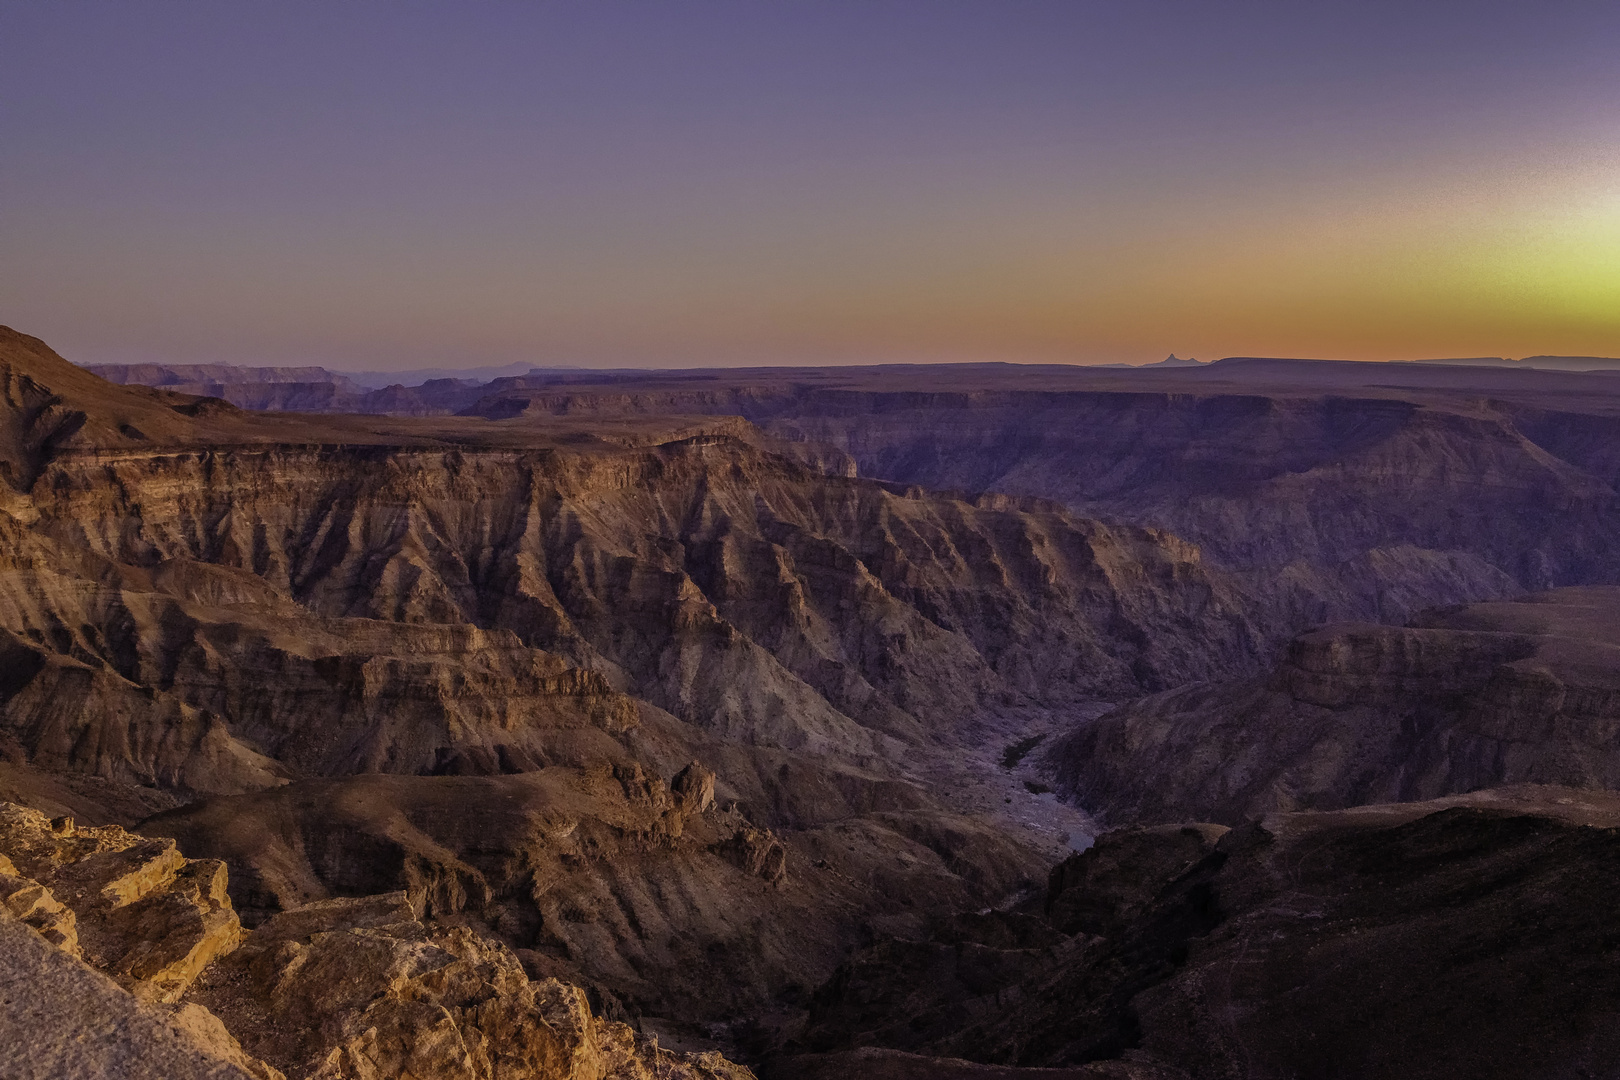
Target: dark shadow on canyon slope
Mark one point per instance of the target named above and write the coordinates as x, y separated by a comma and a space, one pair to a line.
1469, 937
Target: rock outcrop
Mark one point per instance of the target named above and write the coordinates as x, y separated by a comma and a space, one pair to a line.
102, 934
121, 957
132, 907
353, 989
1526, 691
60, 1017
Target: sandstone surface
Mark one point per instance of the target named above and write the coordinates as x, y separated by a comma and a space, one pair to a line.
121, 957
59, 1018
102, 934
132, 907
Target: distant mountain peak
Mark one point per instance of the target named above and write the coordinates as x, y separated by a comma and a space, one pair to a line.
1175, 361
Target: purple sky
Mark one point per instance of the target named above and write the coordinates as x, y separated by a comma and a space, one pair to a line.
369, 185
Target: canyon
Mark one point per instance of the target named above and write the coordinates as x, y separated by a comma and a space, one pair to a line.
681, 723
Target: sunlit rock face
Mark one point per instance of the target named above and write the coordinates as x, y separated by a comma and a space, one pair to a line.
103, 925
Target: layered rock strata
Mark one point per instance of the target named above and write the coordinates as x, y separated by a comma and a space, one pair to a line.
130, 906
1526, 691
1333, 490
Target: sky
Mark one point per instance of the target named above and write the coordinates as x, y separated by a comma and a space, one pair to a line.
398, 185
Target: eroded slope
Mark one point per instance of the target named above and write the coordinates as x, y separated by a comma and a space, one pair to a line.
1526, 691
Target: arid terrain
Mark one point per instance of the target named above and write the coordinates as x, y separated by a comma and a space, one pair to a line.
682, 724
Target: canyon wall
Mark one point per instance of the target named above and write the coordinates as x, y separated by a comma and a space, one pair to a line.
1524, 691
1332, 491
414, 607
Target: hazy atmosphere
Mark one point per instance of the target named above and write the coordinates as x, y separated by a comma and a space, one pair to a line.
399, 186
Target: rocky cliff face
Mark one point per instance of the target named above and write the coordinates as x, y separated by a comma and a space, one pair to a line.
1328, 507
132, 907
1526, 691
659, 569
1334, 490
654, 899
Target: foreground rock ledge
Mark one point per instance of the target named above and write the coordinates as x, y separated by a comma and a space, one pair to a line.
120, 957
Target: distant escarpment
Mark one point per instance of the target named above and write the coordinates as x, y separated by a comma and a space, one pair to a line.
1526, 691
1333, 491
296, 389
1329, 507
